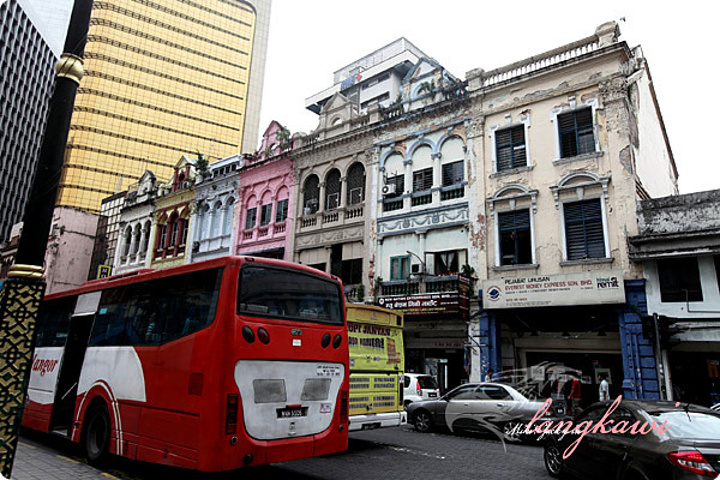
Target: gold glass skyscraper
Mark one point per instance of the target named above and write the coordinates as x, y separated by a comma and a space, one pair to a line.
163, 78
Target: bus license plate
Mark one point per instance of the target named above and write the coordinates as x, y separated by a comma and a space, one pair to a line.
291, 412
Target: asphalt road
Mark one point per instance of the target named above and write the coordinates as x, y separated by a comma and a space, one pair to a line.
393, 453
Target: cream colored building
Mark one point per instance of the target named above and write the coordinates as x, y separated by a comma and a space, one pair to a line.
568, 142
163, 79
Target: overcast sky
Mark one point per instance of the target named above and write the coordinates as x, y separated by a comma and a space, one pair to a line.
311, 39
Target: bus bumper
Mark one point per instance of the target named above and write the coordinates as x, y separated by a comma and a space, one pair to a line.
377, 420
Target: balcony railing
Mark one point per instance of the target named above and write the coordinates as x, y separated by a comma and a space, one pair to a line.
428, 284
340, 216
422, 199
392, 205
451, 193
403, 288
538, 62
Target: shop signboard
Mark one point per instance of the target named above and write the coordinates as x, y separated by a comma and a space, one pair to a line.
586, 288
446, 304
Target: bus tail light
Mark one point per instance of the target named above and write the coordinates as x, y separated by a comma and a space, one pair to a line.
343, 406
337, 341
232, 414
325, 340
263, 335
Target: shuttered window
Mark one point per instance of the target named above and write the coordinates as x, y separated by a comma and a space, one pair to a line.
265, 214
452, 173
250, 218
584, 230
515, 243
311, 195
510, 148
281, 211
422, 180
576, 133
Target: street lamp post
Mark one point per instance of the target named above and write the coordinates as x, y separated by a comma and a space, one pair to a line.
24, 288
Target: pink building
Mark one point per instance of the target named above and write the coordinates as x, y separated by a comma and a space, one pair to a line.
264, 224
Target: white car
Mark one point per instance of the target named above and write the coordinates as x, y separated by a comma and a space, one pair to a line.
418, 387
478, 406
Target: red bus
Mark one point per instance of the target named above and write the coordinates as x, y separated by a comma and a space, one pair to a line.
210, 366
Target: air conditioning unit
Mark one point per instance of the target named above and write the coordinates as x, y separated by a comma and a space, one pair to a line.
415, 268
388, 189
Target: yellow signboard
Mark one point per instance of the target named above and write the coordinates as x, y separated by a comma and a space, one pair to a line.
374, 347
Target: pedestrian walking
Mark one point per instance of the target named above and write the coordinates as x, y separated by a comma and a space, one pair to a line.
575, 395
604, 389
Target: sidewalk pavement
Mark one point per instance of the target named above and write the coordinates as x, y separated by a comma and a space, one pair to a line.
51, 460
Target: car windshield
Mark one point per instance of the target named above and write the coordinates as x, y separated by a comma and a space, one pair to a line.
689, 425
427, 382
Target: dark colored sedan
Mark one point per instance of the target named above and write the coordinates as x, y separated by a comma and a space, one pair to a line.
623, 443
492, 407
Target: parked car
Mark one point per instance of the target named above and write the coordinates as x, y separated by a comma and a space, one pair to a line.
418, 387
689, 449
492, 407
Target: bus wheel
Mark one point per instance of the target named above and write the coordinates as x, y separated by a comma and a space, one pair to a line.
96, 435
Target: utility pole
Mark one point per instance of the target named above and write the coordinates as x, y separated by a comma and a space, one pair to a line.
25, 286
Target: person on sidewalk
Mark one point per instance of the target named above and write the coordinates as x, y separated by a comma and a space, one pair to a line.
604, 389
575, 395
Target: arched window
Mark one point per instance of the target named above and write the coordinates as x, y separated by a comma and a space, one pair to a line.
311, 195
146, 237
453, 169
356, 184
162, 236
174, 226
332, 190
229, 209
216, 219
137, 233
204, 220
128, 241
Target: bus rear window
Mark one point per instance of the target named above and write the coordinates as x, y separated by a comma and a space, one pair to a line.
281, 293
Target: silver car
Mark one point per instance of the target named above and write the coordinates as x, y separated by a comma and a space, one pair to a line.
492, 407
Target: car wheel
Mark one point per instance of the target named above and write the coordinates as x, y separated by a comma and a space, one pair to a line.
96, 435
421, 421
553, 460
512, 431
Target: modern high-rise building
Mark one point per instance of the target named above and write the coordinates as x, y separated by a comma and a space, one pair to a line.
26, 79
163, 79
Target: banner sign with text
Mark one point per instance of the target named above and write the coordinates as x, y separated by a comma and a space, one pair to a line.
586, 288
452, 303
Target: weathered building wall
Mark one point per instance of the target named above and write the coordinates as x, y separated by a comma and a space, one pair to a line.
69, 250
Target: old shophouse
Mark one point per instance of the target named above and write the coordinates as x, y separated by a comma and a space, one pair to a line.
567, 142
421, 207
133, 250
678, 246
213, 215
266, 186
171, 218
330, 170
